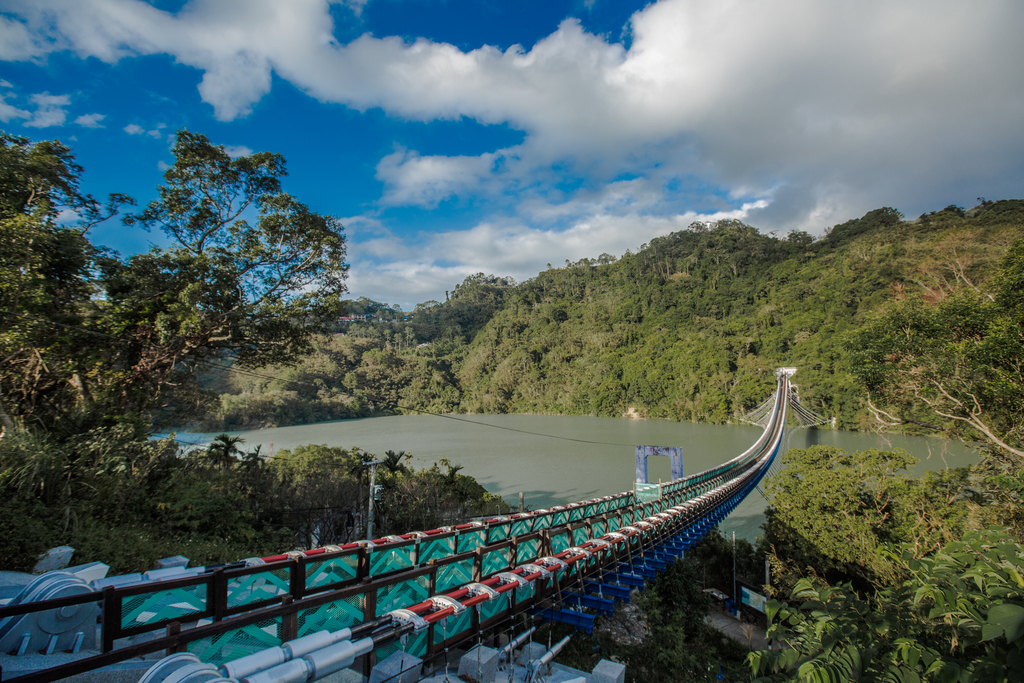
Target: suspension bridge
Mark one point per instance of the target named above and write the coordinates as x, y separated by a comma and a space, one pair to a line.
379, 609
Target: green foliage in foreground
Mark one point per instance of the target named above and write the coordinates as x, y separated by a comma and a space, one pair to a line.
959, 616
128, 503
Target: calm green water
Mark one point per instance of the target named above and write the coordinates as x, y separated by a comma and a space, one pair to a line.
542, 461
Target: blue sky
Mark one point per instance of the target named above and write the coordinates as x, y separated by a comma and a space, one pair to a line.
458, 136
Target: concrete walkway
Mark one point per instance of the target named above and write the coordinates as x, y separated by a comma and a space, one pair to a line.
746, 634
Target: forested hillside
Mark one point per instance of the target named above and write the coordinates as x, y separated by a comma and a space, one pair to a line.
690, 327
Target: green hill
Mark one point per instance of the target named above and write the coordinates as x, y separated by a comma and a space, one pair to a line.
690, 327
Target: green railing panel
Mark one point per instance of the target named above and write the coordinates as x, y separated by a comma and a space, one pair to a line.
614, 523
245, 590
493, 608
602, 507
386, 560
527, 550
496, 561
598, 528
333, 616
542, 522
526, 592
453, 574
455, 625
580, 535
559, 542
590, 510
559, 518
496, 533
435, 549
230, 645
471, 539
174, 604
522, 526
576, 514
402, 594
335, 570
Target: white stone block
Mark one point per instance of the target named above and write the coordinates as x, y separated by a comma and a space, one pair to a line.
479, 665
54, 558
608, 671
400, 667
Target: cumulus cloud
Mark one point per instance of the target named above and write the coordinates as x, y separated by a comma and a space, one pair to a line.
136, 129
808, 112
49, 110
8, 112
91, 120
411, 179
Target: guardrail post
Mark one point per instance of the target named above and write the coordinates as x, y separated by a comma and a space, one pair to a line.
289, 621
369, 612
111, 618
173, 629
297, 579
219, 594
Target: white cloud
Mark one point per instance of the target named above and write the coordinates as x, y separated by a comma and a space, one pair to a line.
235, 151
91, 120
135, 129
9, 112
5, 83
412, 179
49, 110
163, 165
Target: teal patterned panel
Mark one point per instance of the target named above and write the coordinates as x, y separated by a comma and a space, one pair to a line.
455, 625
614, 523
415, 646
230, 645
576, 514
602, 507
391, 559
526, 592
522, 526
335, 570
496, 561
333, 616
245, 590
580, 535
590, 510
527, 550
150, 608
542, 522
493, 608
559, 518
599, 529
471, 539
402, 594
435, 549
453, 575
496, 533
559, 542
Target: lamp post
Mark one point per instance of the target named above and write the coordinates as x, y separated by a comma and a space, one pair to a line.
369, 506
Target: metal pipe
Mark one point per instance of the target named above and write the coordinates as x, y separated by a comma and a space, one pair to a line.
510, 649
546, 658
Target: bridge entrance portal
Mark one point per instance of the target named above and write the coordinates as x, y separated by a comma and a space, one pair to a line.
673, 452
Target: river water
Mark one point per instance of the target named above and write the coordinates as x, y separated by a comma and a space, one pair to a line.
554, 460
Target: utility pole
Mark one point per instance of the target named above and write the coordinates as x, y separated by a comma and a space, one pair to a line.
735, 597
369, 507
